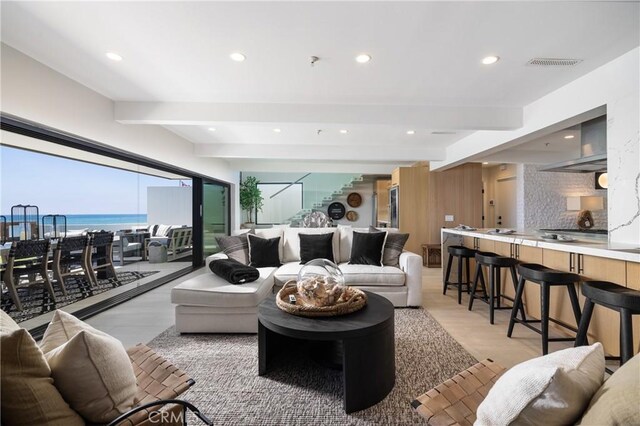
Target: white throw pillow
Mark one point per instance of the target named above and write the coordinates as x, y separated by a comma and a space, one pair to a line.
93, 373
553, 389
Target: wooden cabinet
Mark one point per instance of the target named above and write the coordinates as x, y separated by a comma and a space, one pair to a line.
633, 275
605, 323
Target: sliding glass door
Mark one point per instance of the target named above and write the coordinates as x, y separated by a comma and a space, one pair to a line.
215, 215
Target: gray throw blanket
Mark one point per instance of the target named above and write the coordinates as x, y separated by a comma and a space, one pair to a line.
234, 271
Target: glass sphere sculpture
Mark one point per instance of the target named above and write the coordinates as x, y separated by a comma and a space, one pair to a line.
320, 283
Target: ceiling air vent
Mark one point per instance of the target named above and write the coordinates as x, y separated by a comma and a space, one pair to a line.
443, 133
553, 62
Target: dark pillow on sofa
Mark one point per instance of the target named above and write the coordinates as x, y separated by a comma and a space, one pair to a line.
392, 247
236, 247
367, 248
316, 246
263, 252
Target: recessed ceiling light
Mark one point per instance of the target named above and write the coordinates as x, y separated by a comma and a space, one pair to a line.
485, 162
212, 129
238, 57
114, 56
411, 132
344, 132
569, 137
488, 60
363, 58
276, 130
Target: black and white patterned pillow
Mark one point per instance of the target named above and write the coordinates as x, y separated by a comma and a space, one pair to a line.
235, 247
393, 247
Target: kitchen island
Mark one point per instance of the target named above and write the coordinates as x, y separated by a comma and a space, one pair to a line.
591, 258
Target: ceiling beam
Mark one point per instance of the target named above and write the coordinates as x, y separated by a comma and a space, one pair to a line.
319, 152
414, 116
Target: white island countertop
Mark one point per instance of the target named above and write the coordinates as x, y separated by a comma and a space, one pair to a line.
587, 246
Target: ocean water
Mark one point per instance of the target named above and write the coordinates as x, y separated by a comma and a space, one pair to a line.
107, 222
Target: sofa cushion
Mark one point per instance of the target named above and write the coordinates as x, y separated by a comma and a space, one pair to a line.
291, 247
345, 235
210, 290
94, 374
367, 248
235, 247
266, 233
616, 401
372, 275
318, 246
62, 327
393, 246
28, 395
263, 252
353, 274
552, 389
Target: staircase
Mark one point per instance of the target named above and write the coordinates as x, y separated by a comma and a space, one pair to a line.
322, 199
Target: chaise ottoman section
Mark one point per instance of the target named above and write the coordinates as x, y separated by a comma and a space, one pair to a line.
210, 304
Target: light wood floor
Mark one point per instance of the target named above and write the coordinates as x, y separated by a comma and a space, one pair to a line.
472, 328
146, 316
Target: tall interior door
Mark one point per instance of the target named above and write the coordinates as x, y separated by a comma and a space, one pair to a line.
506, 203
215, 215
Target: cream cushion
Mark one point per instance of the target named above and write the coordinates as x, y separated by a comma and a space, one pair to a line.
94, 374
369, 275
617, 402
211, 290
553, 389
62, 327
28, 395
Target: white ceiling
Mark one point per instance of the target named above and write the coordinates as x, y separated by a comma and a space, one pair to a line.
425, 66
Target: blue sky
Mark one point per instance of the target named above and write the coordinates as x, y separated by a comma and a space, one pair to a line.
62, 186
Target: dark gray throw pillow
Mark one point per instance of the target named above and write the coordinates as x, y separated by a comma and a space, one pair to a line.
392, 247
367, 248
236, 247
316, 246
263, 252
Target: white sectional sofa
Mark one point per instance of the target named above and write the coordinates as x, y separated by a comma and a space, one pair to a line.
208, 303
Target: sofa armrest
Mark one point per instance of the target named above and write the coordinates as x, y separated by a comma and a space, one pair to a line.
411, 265
216, 256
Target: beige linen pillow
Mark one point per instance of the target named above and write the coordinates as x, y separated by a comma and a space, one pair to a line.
617, 402
62, 328
94, 374
553, 389
28, 395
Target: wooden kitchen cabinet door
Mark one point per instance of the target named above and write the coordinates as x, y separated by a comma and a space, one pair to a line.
603, 269
633, 275
633, 281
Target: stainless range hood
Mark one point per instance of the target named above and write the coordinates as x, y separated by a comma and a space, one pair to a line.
593, 150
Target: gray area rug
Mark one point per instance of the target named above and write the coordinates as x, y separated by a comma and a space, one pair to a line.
297, 390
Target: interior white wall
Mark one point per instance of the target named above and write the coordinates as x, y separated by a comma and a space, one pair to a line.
616, 85
35, 92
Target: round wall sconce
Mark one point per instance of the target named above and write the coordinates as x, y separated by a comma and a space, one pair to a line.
602, 181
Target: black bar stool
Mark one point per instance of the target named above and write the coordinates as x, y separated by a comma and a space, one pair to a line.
613, 296
546, 278
462, 253
494, 264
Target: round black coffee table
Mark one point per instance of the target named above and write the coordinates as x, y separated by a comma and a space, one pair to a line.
367, 338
